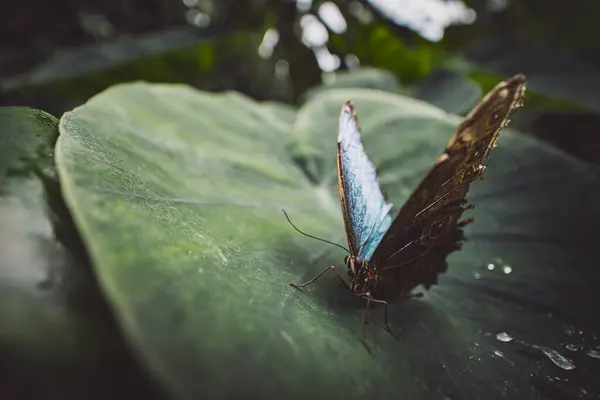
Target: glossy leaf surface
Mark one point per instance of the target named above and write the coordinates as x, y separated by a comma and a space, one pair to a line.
177, 194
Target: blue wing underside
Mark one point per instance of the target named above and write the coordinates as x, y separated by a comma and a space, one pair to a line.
366, 213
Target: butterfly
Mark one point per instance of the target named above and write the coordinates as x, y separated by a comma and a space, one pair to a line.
388, 258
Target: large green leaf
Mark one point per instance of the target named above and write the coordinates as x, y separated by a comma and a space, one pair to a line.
177, 194
365, 78
450, 90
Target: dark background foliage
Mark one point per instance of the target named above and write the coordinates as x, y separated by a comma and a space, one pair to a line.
55, 55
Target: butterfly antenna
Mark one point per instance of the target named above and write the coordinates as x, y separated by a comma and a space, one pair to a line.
311, 236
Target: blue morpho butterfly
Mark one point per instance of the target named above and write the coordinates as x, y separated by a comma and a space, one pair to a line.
388, 259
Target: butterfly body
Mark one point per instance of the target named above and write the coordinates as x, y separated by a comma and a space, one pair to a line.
391, 257
363, 279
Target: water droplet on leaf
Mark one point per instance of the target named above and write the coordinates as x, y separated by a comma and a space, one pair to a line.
504, 337
491, 266
569, 331
500, 354
557, 358
507, 269
594, 353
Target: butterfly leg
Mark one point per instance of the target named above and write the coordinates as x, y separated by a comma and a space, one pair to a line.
366, 322
370, 299
313, 280
386, 324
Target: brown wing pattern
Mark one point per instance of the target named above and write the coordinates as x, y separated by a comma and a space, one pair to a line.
427, 228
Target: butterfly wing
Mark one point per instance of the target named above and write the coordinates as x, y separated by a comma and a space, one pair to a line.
426, 229
366, 214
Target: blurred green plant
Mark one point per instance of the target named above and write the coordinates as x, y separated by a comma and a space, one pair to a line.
218, 62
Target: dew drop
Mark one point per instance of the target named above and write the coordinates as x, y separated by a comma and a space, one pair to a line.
571, 347
557, 358
491, 266
500, 354
200, 270
476, 275
594, 353
507, 269
570, 331
504, 337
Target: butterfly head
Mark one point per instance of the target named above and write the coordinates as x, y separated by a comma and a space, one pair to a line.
362, 279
